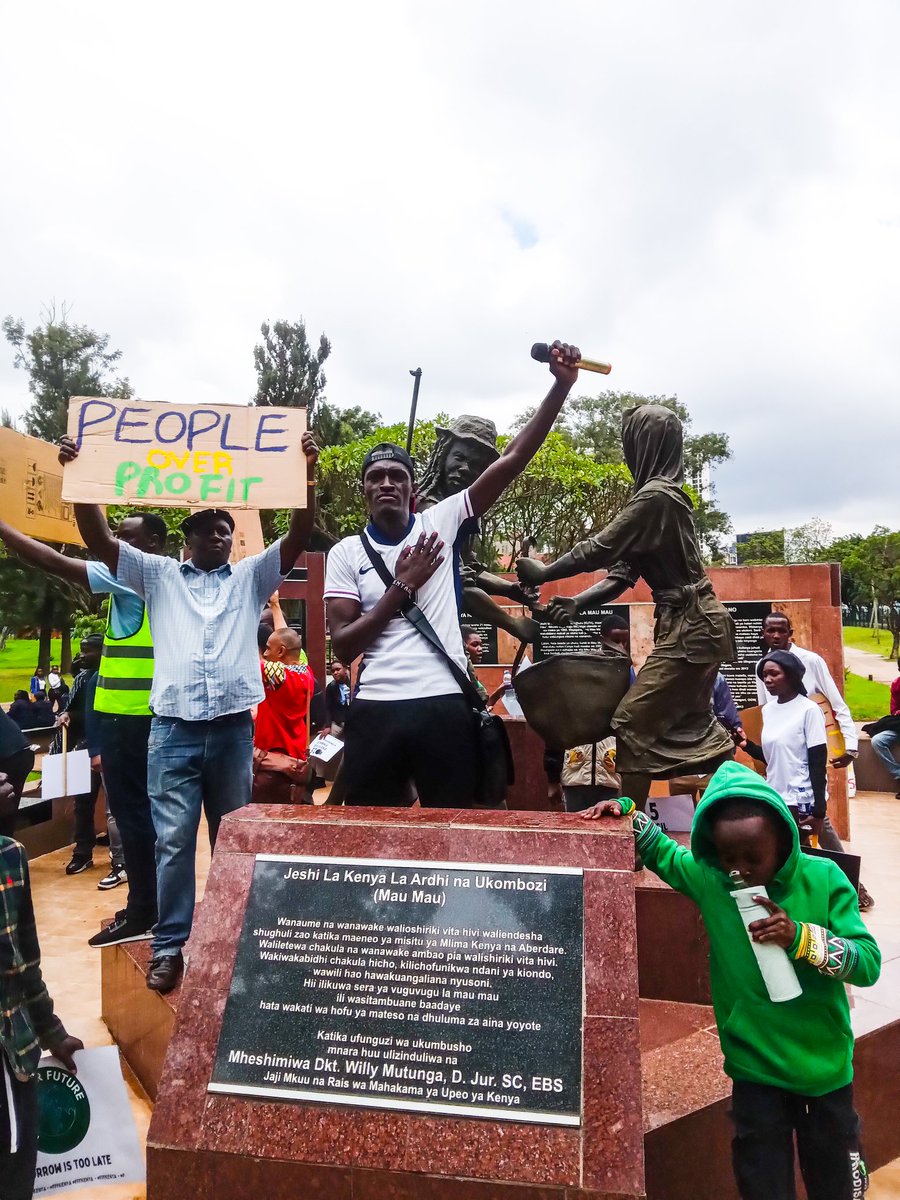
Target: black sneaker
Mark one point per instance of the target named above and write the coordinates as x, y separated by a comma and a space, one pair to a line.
79, 863
115, 877
121, 930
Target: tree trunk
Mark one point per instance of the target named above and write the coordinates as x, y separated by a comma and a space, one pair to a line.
65, 653
45, 630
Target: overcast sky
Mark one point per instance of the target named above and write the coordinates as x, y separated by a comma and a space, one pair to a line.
705, 193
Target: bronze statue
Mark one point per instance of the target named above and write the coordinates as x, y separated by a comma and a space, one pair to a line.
462, 452
664, 725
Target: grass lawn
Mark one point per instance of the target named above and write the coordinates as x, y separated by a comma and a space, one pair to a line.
866, 700
17, 663
862, 639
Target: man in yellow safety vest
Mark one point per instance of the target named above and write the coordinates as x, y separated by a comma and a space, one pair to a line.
122, 704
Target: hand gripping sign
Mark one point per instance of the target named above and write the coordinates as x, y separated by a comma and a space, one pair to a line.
185, 455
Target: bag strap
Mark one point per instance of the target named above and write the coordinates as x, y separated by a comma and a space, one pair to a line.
420, 622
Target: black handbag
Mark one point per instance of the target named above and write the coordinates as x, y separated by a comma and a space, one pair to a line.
495, 761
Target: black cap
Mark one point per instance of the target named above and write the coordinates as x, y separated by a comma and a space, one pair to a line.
388, 452
192, 523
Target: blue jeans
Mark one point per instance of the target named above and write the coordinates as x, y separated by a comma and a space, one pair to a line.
191, 765
884, 744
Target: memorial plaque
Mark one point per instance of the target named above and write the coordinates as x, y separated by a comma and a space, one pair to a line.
488, 634
581, 637
741, 674
420, 986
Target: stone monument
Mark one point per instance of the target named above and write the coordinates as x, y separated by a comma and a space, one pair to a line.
407, 1003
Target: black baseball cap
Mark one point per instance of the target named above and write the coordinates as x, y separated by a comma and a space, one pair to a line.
388, 452
193, 521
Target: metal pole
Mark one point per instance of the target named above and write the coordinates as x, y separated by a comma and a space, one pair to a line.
417, 375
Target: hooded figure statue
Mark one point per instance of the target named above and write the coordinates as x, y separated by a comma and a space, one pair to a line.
665, 724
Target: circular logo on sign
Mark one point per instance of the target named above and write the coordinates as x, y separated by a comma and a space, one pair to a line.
65, 1111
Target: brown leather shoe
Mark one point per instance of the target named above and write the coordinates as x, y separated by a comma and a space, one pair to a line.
164, 972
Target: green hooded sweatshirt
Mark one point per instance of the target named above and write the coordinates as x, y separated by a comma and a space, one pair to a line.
803, 1045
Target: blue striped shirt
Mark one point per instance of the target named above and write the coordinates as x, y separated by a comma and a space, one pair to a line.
204, 623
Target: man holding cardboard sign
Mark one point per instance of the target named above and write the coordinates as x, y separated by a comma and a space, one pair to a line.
203, 615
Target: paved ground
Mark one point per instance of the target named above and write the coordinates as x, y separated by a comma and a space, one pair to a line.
861, 662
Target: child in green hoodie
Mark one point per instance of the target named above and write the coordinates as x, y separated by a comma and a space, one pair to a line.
791, 1063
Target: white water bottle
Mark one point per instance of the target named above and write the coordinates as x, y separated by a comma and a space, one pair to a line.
510, 699
777, 969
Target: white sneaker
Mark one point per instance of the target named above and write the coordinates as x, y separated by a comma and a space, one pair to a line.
113, 879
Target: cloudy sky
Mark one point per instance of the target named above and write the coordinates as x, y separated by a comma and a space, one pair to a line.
706, 194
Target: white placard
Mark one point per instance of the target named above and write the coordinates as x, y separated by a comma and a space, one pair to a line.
324, 747
674, 814
87, 1133
78, 775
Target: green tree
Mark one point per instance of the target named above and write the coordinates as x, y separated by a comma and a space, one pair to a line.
561, 497
874, 564
334, 426
593, 425
763, 547
808, 543
31, 600
62, 360
289, 373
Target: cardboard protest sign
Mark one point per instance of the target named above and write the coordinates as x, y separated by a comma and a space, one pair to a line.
185, 455
31, 489
86, 1133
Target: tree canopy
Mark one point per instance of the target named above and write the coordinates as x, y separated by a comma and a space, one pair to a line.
562, 496
593, 425
288, 371
62, 360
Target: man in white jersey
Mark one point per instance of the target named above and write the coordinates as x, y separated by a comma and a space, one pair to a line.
409, 719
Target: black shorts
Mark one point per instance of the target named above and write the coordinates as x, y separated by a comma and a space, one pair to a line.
430, 742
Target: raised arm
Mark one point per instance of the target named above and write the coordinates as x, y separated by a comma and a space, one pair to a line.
89, 518
487, 489
296, 540
36, 554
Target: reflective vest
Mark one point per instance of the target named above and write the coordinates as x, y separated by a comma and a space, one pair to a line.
126, 672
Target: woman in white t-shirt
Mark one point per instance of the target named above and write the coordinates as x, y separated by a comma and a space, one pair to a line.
794, 744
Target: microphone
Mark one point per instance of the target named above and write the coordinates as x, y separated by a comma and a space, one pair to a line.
540, 352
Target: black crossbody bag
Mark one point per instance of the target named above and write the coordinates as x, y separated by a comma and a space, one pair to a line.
495, 762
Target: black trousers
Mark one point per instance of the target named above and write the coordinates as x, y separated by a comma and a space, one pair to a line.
827, 1130
16, 767
123, 749
430, 741
17, 1170
85, 833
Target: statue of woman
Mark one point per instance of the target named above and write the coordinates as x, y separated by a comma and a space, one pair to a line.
665, 724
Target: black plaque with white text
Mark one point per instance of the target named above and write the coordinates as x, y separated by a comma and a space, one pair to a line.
748, 617
490, 652
581, 637
419, 986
